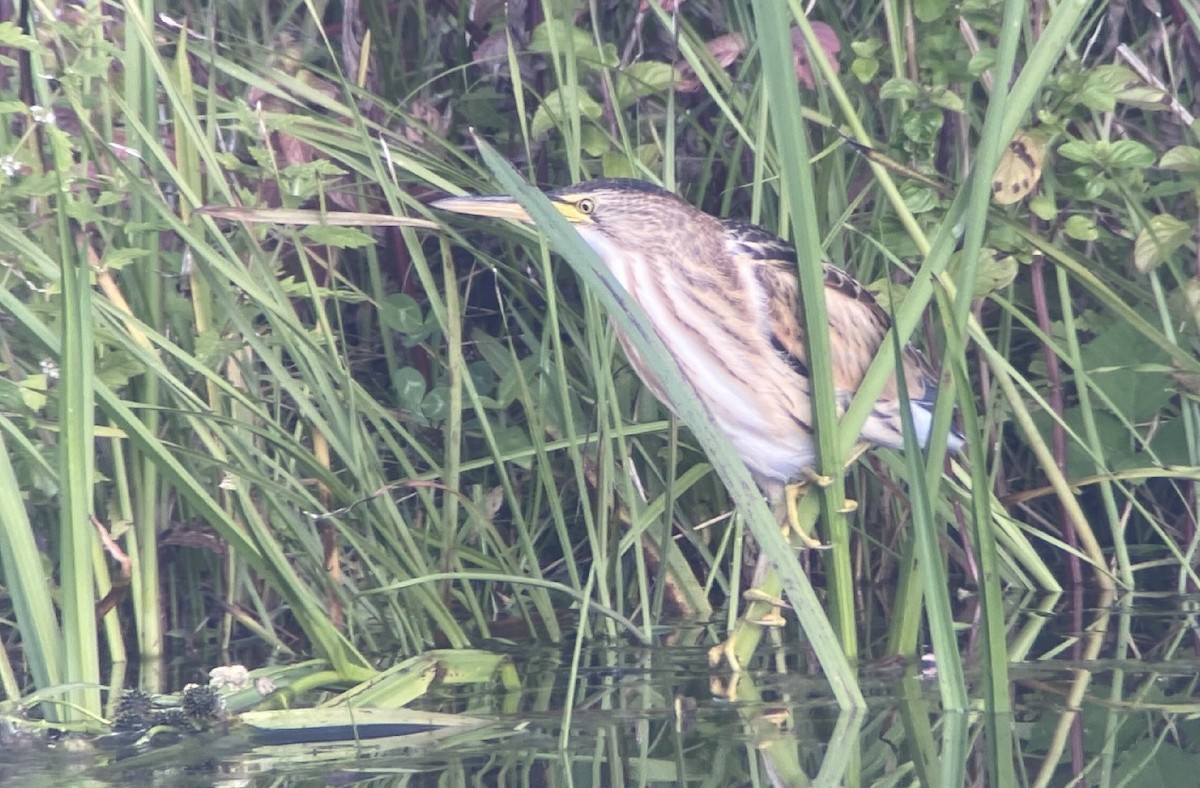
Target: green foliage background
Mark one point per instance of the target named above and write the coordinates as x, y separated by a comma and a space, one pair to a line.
221, 393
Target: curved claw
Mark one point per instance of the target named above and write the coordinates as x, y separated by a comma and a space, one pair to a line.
812, 477
772, 619
758, 595
725, 651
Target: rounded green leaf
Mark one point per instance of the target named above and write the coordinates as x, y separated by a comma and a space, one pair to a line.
1081, 228
410, 387
401, 313
1158, 240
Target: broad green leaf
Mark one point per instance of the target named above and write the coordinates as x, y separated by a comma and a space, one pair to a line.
1130, 153
981, 61
1081, 228
337, 237
436, 404
867, 47
1123, 365
410, 387
568, 98
1043, 207
900, 88
864, 68
922, 125
1181, 158
930, 10
647, 78
947, 99
11, 36
401, 313
995, 271
594, 141
1158, 240
1078, 150
581, 41
616, 165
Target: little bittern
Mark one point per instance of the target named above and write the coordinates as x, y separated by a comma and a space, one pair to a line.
723, 296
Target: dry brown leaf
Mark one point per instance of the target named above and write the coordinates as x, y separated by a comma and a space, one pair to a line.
427, 117
830, 45
725, 50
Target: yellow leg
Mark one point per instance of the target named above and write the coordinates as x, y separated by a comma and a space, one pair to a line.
763, 601
792, 495
764, 604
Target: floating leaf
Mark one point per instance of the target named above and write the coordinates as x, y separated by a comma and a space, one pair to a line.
117, 367
116, 259
1158, 240
918, 197
868, 47
32, 389
560, 35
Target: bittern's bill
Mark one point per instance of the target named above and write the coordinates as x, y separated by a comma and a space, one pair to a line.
724, 297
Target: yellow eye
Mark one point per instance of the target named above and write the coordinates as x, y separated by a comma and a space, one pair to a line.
586, 206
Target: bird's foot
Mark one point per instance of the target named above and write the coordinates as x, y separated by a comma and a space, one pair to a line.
793, 494
819, 479
759, 595
727, 652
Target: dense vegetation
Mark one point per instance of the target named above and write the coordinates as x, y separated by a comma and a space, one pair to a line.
246, 408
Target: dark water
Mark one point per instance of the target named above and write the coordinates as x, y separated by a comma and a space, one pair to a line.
1111, 702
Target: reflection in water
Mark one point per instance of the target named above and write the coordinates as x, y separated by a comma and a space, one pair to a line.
613, 714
